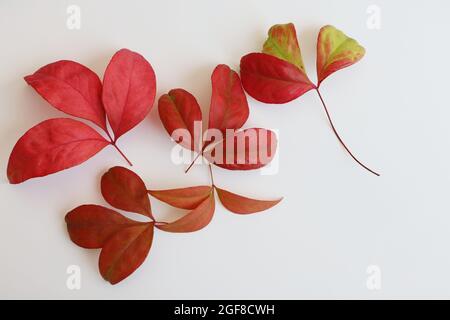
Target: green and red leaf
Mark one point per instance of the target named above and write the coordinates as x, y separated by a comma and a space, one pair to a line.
183, 198
124, 189
243, 205
282, 43
125, 251
335, 51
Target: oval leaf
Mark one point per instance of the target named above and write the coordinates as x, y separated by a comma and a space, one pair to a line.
180, 110
247, 149
272, 80
195, 220
243, 205
51, 146
124, 189
282, 43
129, 88
183, 198
335, 51
90, 225
71, 88
125, 251
229, 107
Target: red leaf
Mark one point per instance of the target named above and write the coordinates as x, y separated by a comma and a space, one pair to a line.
71, 88
272, 80
124, 189
183, 198
51, 146
179, 110
125, 251
243, 205
90, 225
247, 149
195, 220
129, 88
229, 107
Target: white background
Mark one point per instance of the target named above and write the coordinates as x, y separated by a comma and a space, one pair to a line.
336, 219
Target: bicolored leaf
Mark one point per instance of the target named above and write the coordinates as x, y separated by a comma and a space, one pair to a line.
124, 189
282, 43
51, 146
129, 87
335, 51
183, 198
90, 225
243, 205
125, 251
71, 88
180, 110
272, 80
247, 149
195, 220
229, 107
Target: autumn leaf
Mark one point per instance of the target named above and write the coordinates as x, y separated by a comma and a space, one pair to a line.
183, 198
129, 88
180, 110
90, 225
247, 149
335, 51
51, 146
229, 107
243, 205
71, 88
124, 189
194, 220
272, 80
282, 43
125, 251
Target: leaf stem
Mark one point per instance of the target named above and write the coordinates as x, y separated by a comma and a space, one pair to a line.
192, 163
121, 153
339, 138
211, 175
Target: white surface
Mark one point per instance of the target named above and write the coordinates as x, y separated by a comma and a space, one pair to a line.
336, 220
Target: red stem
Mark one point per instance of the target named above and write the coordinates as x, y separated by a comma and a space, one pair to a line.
192, 163
339, 138
211, 175
121, 153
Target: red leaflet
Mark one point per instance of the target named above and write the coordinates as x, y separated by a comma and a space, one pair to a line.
125, 251
183, 198
272, 80
129, 87
229, 107
51, 146
179, 110
71, 88
247, 149
195, 220
243, 205
124, 189
90, 225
